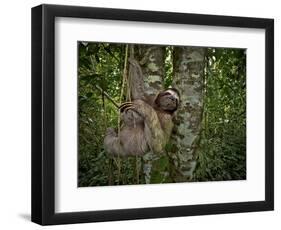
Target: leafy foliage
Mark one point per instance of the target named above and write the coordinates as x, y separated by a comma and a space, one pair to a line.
222, 149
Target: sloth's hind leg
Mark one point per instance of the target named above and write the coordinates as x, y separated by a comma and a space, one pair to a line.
112, 143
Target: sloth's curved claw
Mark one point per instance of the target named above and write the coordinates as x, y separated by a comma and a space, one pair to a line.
129, 108
124, 106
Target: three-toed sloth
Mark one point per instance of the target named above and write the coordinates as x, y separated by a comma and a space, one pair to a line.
146, 121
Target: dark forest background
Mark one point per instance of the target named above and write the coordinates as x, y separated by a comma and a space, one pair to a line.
221, 152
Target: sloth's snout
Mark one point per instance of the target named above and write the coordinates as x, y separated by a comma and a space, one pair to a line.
172, 98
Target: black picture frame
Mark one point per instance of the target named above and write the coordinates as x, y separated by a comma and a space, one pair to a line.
43, 114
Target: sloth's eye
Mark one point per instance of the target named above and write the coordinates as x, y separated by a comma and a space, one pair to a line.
166, 94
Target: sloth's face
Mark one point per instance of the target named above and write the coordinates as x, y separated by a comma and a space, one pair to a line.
168, 100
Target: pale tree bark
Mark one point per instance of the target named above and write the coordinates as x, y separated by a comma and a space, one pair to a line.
188, 79
151, 59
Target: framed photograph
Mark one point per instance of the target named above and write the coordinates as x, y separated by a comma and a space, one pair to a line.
142, 114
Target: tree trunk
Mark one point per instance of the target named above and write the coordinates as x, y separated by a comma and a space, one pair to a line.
151, 59
188, 79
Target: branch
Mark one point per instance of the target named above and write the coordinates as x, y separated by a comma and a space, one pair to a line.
106, 94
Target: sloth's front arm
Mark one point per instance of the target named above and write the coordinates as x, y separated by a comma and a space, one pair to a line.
154, 131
